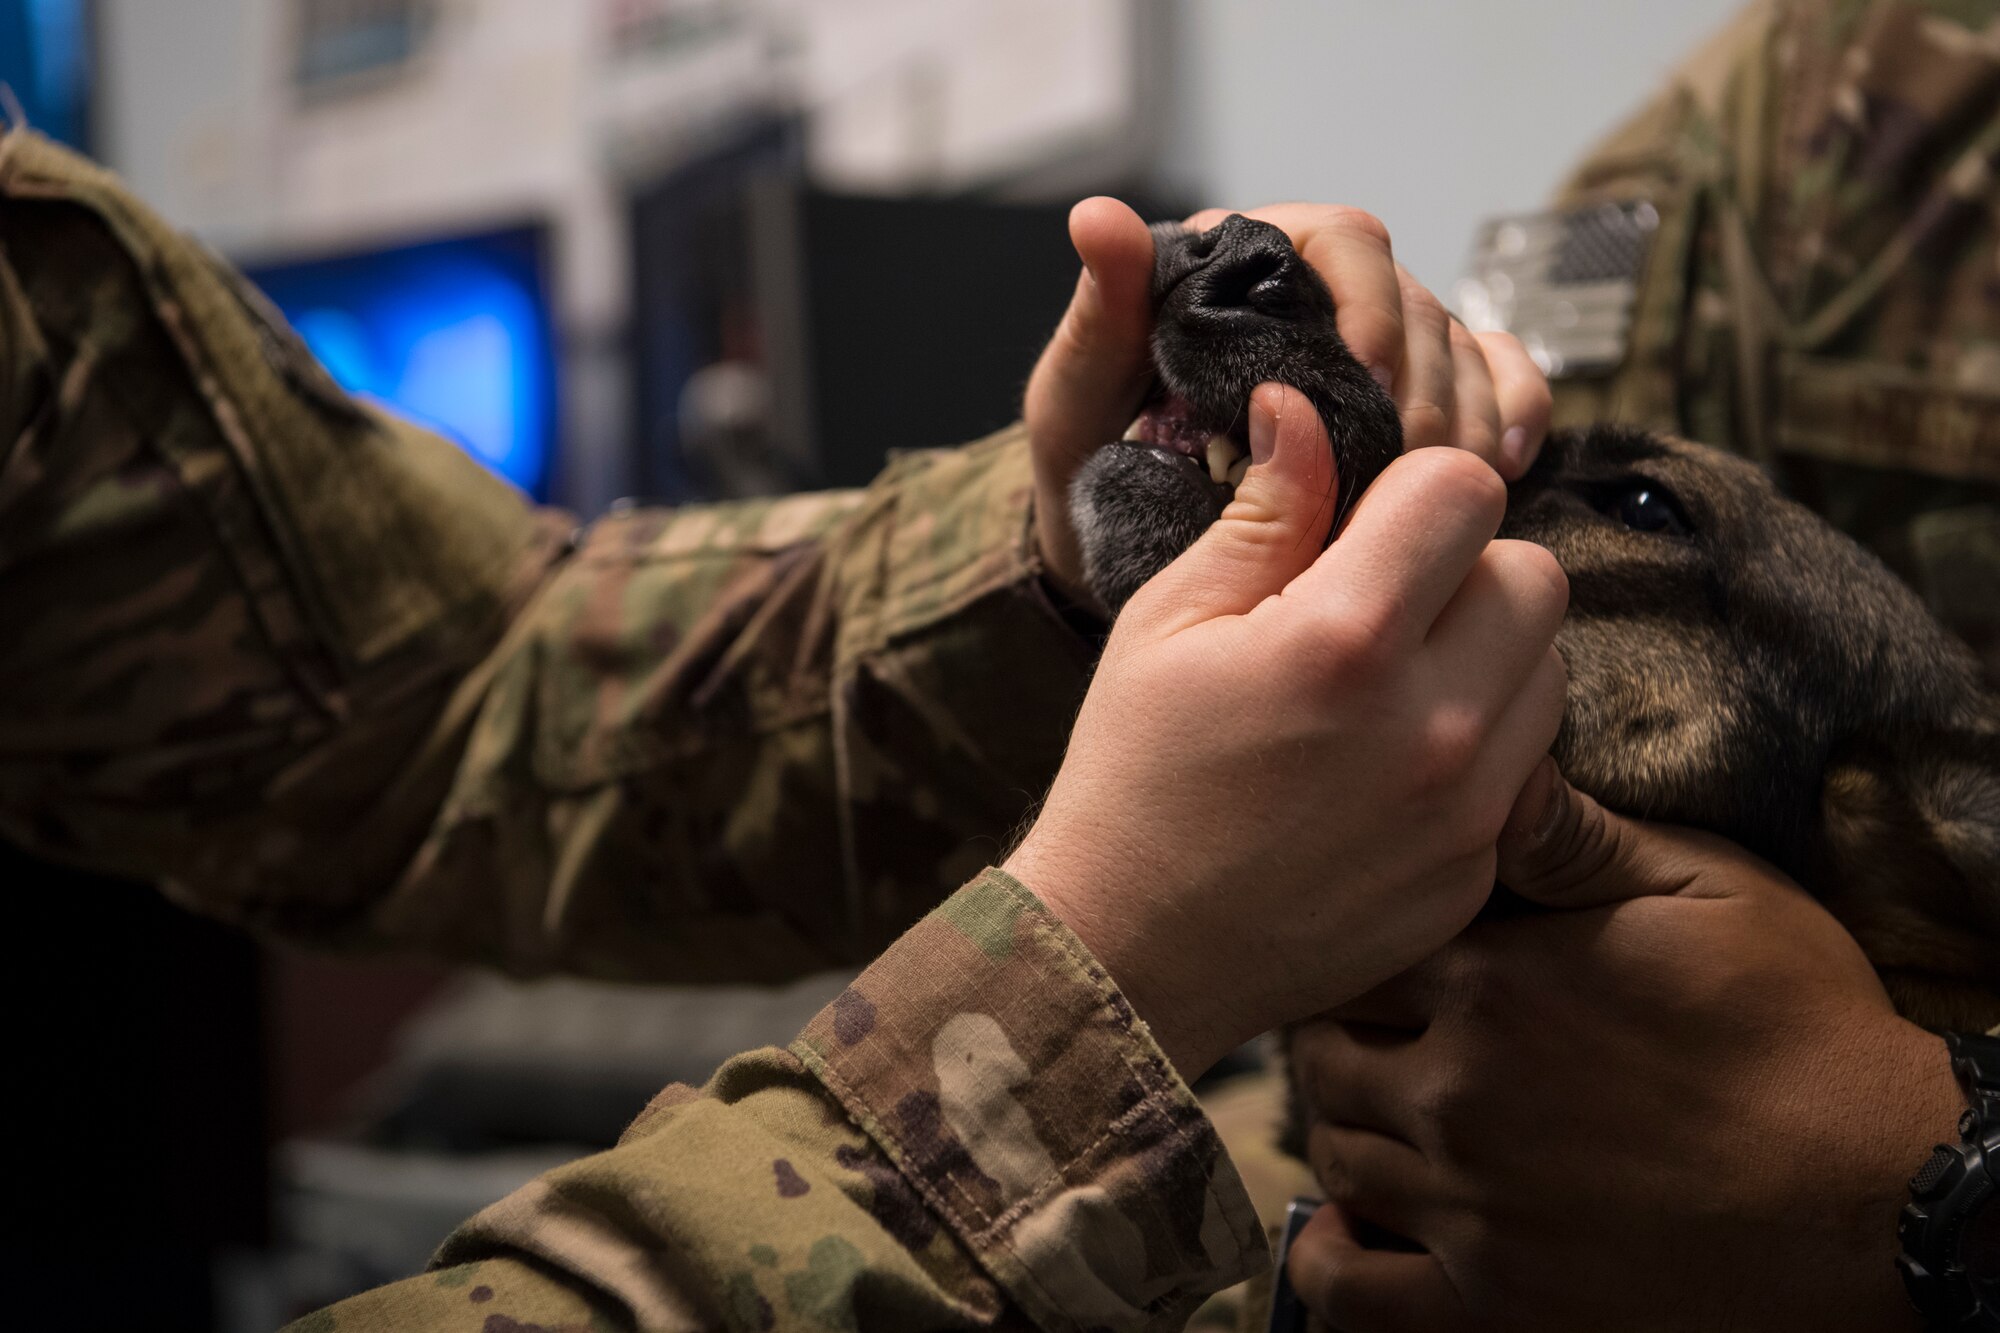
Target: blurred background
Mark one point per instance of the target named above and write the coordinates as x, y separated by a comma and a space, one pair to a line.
679, 250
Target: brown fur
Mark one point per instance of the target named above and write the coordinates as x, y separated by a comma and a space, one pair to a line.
1763, 677
1735, 663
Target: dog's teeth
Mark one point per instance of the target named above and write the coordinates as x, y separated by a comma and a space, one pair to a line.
1222, 453
1132, 431
1238, 470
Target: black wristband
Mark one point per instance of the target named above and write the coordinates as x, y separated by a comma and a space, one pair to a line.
1950, 1230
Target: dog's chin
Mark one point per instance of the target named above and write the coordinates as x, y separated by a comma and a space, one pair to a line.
1136, 507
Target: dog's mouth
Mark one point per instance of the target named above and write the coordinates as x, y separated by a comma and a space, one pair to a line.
1175, 426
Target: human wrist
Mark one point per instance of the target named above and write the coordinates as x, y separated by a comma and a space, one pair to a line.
1077, 888
1924, 1104
989, 1018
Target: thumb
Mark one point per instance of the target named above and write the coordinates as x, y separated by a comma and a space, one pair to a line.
1560, 848
1094, 371
1269, 534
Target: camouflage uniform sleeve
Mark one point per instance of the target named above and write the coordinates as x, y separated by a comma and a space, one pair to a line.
978, 1133
319, 673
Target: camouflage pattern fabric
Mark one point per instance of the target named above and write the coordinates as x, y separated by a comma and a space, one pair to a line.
1824, 291
317, 671
320, 673
977, 1133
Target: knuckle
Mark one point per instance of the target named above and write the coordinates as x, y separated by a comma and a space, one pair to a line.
1534, 569
1425, 425
1332, 1166
1439, 1098
1356, 645
1500, 345
1583, 848
1476, 435
1373, 332
1464, 480
1466, 982
1449, 747
1358, 222
1075, 342
1512, 364
1420, 303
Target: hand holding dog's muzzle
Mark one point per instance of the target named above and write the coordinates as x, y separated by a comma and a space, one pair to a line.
1447, 386
1478, 392
1288, 776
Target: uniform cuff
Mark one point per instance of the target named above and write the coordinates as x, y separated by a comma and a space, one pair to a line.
992, 1059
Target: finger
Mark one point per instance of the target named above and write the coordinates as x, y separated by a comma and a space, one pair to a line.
1426, 385
1526, 404
1089, 379
1270, 532
1412, 539
1500, 624
1350, 250
1560, 848
1475, 425
1358, 1290
1361, 1076
1374, 1178
1518, 743
1404, 1005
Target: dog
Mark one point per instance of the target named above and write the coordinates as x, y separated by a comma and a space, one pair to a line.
1735, 663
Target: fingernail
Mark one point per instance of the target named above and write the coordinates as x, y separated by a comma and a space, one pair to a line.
1263, 435
1514, 448
1384, 377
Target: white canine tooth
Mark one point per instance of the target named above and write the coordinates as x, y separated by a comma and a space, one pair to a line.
1222, 452
1238, 470
1132, 431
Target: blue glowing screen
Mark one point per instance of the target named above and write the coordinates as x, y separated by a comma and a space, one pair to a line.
454, 334
45, 63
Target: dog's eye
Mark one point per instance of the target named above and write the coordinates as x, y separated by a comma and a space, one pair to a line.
1645, 506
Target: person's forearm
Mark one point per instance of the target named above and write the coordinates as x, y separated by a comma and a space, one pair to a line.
976, 1134
322, 674
798, 724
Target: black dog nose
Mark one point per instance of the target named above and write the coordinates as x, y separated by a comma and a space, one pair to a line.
1242, 269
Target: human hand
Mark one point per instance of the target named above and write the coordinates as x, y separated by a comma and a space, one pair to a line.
1683, 1101
1478, 392
1286, 781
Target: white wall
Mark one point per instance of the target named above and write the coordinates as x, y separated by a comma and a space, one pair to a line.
1429, 113
490, 128
529, 108
182, 112
1432, 113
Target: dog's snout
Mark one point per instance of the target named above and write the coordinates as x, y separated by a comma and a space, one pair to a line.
1244, 269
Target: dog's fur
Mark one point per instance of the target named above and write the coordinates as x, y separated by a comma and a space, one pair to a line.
1734, 662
